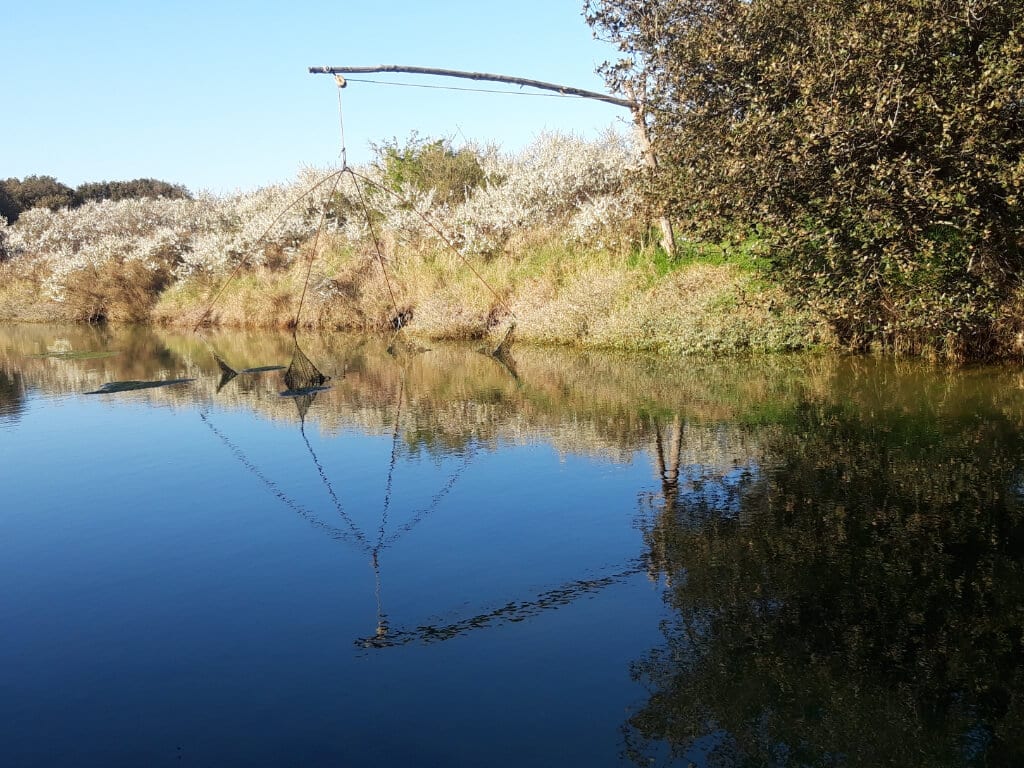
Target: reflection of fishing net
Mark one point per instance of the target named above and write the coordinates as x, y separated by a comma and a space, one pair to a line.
303, 380
503, 352
227, 373
504, 349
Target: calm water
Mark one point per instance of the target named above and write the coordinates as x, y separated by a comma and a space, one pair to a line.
444, 560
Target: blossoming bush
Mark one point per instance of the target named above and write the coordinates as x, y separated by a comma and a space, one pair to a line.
111, 259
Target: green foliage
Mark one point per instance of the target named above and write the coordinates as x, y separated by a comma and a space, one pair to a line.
134, 189
18, 195
9, 207
431, 164
877, 144
37, 192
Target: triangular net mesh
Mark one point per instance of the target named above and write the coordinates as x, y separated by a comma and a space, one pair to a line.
301, 375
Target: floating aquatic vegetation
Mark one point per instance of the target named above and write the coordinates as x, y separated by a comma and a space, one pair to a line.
130, 386
263, 369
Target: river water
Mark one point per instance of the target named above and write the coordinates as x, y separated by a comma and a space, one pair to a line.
552, 559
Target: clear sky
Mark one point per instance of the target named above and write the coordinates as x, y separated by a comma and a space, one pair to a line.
216, 95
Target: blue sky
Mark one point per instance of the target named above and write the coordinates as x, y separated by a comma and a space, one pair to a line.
216, 95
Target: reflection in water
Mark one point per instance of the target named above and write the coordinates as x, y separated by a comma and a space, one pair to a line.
12, 395
859, 602
512, 611
384, 636
840, 541
114, 387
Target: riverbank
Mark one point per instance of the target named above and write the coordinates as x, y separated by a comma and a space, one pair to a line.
566, 297
455, 243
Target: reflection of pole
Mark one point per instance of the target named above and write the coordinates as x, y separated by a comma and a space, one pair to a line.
668, 472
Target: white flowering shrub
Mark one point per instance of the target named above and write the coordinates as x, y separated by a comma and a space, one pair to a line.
547, 184
184, 237
560, 180
95, 250
5, 241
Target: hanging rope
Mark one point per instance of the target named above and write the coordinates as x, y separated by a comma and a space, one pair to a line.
312, 253
469, 90
343, 154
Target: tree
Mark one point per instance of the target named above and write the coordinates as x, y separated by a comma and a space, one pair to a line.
9, 207
39, 192
136, 188
876, 146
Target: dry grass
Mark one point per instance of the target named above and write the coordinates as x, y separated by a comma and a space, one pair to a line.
557, 294
22, 298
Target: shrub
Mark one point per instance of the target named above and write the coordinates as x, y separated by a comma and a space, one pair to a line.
876, 145
430, 166
136, 188
9, 208
36, 192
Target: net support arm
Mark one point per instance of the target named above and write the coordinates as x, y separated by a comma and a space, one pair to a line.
635, 106
565, 90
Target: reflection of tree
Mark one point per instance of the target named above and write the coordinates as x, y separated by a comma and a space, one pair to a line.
12, 395
865, 606
692, 490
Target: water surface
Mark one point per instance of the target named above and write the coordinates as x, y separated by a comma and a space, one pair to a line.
554, 559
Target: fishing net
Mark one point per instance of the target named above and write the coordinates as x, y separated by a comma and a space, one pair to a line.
303, 380
503, 352
301, 376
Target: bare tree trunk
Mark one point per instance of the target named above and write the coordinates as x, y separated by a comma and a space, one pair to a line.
668, 239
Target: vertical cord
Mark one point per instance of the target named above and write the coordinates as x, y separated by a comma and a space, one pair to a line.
312, 254
343, 154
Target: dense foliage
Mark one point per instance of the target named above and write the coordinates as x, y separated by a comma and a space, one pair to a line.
34, 192
128, 190
19, 195
431, 165
877, 147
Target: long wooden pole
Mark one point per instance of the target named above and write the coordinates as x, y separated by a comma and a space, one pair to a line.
636, 107
562, 89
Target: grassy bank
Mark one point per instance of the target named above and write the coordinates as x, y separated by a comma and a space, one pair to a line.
550, 238
556, 293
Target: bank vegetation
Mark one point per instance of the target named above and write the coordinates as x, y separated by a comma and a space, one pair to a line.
455, 242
